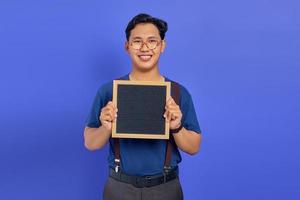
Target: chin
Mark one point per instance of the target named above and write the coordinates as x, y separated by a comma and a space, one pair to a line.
145, 66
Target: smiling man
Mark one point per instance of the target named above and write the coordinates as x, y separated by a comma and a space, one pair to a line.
143, 168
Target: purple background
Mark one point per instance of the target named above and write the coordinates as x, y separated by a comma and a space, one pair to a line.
240, 60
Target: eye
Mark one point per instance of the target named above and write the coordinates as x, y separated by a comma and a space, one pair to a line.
152, 41
136, 41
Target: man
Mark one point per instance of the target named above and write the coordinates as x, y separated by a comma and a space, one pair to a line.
142, 173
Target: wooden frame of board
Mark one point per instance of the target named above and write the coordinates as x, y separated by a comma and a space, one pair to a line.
163, 135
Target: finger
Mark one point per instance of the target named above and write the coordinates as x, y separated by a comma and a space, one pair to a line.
106, 118
115, 115
165, 114
109, 108
172, 114
115, 118
106, 109
169, 100
109, 114
111, 105
168, 105
169, 115
114, 107
175, 115
173, 109
172, 104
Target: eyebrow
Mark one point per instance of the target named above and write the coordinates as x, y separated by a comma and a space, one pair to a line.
150, 37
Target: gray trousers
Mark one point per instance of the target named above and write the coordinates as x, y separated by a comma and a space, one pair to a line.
116, 190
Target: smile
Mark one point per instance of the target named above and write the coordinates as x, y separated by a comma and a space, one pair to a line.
145, 57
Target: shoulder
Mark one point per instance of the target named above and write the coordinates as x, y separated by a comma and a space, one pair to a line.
184, 92
105, 89
185, 96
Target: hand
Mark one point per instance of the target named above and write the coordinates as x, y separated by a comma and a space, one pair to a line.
108, 115
173, 113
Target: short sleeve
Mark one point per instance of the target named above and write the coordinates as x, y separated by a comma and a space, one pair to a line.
92, 120
189, 118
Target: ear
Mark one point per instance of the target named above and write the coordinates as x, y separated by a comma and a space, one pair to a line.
163, 45
126, 46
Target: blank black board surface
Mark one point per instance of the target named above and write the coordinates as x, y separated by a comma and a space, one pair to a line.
141, 105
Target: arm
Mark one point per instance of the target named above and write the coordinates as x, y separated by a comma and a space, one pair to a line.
186, 140
96, 138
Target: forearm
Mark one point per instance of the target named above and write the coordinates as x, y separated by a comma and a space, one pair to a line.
188, 141
96, 138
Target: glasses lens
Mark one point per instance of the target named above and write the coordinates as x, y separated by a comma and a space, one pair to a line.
152, 44
136, 44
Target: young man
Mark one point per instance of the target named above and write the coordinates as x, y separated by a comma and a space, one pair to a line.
143, 173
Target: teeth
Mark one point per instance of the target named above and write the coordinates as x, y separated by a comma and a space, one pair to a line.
145, 57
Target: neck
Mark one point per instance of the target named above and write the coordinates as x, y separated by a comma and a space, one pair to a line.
151, 75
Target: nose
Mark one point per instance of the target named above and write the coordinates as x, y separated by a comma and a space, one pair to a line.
144, 47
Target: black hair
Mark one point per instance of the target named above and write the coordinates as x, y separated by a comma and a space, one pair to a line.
160, 24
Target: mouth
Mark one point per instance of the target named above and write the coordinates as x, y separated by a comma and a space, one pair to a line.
145, 58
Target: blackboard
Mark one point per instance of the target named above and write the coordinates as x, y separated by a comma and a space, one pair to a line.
141, 105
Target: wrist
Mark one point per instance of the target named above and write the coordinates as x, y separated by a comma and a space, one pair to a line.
176, 130
105, 130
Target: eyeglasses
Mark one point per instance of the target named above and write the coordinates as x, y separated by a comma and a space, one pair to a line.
151, 44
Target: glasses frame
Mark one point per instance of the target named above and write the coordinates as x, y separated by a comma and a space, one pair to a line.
143, 42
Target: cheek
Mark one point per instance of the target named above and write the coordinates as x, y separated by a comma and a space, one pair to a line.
156, 54
159, 50
132, 54
134, 57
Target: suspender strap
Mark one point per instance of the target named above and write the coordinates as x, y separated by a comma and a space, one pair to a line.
176, 96
117, 154
117, 150
175, 91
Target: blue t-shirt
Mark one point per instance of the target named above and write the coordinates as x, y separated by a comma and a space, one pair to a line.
143, 156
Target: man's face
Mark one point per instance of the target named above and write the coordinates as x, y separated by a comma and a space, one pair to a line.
145, 46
